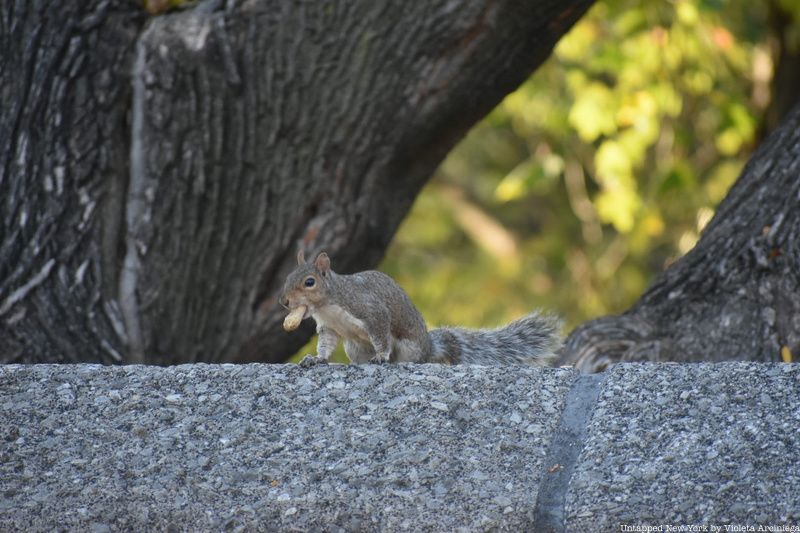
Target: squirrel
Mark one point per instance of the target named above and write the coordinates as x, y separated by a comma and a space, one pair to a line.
380, 324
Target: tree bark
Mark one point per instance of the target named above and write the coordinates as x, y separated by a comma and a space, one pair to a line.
159, 174
736, 295
65, 92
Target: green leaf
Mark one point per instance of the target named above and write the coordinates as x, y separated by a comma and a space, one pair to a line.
592, 114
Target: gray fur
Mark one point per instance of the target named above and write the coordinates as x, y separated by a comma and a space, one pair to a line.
532, 339
379, 323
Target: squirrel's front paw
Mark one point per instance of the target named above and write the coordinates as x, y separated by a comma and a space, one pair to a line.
313, 360
379, 360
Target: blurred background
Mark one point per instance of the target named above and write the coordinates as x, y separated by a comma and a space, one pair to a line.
602, 168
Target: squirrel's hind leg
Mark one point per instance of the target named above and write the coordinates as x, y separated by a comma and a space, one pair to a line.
383, 348
358, 352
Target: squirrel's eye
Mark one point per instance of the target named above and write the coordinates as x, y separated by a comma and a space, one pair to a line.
309, 282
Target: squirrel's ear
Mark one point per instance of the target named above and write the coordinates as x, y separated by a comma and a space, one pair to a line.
301, 258
322, 263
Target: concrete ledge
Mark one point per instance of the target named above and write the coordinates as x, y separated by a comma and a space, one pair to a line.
393, 448
695, 444
417, 447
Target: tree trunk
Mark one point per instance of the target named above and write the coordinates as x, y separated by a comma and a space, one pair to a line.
736, 295
159, 174
65, 92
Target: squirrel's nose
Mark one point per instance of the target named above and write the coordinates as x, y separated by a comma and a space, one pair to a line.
284, 301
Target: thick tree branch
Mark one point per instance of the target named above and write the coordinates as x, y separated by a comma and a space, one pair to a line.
736, 295
171, 166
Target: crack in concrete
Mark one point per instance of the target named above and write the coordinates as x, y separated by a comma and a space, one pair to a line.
562, 456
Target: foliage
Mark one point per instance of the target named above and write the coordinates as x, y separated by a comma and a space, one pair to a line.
601, 169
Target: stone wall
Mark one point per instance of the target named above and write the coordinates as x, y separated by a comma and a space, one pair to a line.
398, 448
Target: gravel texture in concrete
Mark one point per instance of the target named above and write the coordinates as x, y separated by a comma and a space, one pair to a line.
696, 445
282, 448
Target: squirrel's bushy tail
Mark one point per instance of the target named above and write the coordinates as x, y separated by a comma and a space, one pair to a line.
531, 340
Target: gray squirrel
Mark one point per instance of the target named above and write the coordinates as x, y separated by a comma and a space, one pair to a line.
380, 324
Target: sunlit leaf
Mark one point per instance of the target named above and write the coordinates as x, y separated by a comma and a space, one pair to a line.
668, 99
553, 165
653, 224
742, 120
687, 12
619, 201
698, 82
630, 22
575, 45
613, 165
729, 141
592, 114
514, 185
618, 207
